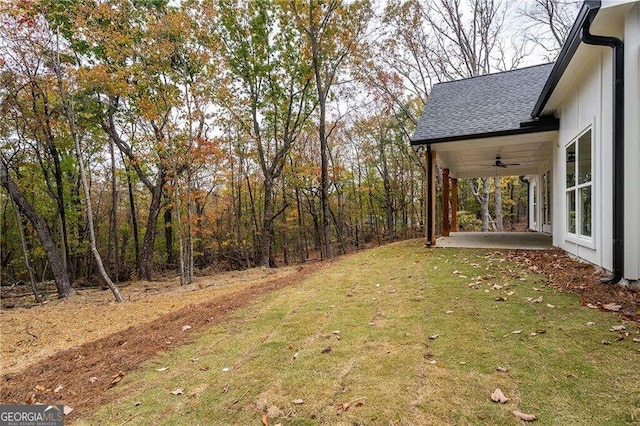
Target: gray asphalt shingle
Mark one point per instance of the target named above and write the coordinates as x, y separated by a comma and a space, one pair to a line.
484, 104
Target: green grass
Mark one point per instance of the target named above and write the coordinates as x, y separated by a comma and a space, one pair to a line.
385, 303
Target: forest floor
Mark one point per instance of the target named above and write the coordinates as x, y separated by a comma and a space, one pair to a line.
385, 335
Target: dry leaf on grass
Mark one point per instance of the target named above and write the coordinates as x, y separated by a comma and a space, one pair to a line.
524, 416
186, 327
434, 337
498, 396
618, 328
635, 339
611, 307
298, 401
178, 391
161, 369
590, 323
516, 332
115, 379
326, 350
93, 379
67, 410
502, 369
265, 419
58, 389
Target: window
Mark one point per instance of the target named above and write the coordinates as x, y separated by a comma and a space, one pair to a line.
578, 184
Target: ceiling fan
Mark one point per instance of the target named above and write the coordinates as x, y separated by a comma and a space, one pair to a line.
499, 163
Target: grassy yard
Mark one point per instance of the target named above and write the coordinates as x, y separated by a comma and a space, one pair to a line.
403, 335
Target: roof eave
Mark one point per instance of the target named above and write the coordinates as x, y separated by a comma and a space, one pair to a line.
588, 11
545, 126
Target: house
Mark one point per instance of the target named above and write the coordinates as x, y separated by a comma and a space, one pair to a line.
571, 128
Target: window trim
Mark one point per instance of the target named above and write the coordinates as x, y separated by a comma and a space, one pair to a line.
577, 238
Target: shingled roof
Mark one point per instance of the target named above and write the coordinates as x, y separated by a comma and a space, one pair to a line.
483, 106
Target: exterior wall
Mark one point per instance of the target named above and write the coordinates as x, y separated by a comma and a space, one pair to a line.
632, 143
587, 105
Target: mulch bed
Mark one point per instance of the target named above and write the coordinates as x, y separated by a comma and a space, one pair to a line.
64, 378
570, 276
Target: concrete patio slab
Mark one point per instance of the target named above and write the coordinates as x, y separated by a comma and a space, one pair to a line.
500, 240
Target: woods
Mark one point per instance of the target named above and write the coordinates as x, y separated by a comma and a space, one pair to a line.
138, 137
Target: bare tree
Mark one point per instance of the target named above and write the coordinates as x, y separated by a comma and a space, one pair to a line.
549, 23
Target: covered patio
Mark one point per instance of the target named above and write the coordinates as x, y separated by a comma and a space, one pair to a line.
482, 127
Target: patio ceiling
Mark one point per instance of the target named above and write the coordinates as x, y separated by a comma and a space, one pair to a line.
476, 157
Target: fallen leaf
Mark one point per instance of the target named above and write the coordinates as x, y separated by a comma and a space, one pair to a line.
449, 312
537, 299
591, 323
524, 416
549, 305
115, 379
39, 388
511, 293
501, 299
137, 404
32, 399
434, 337
606, 342
591, 306
178, 391
265, 419
456, 272
342, 407
611, 307
516, 332
298, 401
618, 328
433, 362
496, 287
58, 389
67, 410
635, 339
541, 331
93, 379
498, 396
502, 369
186, 327
225, 370
295, 356
161, 369
336, 332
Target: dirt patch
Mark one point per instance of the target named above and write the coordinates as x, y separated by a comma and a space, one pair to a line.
79, 377
30, 334
570, 276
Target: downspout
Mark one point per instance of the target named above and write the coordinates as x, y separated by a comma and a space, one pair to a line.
618, 145
430, 195
525, 180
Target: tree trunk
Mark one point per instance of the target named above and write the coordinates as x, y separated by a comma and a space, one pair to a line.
267, 223
25, 254
134, 216
145, 271
168, 234
58, 269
